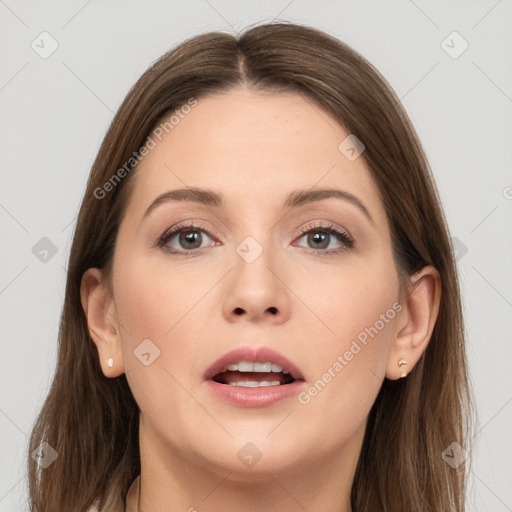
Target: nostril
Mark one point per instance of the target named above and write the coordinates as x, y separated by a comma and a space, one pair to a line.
273, 310
239, 311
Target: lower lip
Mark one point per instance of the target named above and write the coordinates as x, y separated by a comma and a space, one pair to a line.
263, 396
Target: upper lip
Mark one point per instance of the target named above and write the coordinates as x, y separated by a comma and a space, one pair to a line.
253, 354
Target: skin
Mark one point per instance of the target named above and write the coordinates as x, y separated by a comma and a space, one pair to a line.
254, 148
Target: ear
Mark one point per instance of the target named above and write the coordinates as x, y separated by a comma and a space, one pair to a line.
416, 322
99, 309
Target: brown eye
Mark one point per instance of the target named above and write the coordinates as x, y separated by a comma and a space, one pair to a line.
318, 238
183, 239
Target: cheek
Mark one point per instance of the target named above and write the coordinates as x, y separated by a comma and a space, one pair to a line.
348, 365
144, 305
152, 303
352, 298
151, 306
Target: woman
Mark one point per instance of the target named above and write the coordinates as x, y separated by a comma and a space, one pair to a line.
262, 307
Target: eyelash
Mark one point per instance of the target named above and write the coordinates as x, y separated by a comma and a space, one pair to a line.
341, 235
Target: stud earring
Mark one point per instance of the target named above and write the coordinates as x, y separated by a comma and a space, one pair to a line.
403, 363
110, 362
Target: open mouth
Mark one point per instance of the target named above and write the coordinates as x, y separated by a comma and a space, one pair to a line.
253, 375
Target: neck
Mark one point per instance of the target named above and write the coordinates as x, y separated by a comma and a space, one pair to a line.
175, 481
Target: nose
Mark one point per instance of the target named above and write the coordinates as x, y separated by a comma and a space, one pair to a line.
256, 291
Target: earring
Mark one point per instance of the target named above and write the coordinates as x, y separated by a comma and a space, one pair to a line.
401, 363
110, 362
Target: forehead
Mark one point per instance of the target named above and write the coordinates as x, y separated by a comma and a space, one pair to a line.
253, 147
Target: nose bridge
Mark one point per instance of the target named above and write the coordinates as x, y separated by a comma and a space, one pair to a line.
255, 288
252, 263
257, 245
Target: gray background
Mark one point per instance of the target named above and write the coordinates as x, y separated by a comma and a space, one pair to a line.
55, 111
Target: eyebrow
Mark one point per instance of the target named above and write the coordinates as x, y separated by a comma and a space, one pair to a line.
295, 199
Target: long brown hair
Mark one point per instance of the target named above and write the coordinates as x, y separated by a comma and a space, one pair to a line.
92, 421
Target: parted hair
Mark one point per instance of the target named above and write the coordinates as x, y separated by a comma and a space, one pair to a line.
93, 422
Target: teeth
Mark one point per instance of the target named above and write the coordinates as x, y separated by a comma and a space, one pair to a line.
245, 366
263, 367
248, 366
254, 384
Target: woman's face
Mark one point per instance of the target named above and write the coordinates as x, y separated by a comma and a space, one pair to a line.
255, 272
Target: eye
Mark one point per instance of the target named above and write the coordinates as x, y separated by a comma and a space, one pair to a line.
192, 237
320, 236
189, 236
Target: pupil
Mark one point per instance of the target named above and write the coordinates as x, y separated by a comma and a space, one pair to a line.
319, 237
189, 237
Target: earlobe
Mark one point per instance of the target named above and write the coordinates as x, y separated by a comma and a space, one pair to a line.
402, 364
99, 310
416, 323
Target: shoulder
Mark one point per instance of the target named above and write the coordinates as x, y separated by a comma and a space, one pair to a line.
95, 508
131, 499
132, 495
